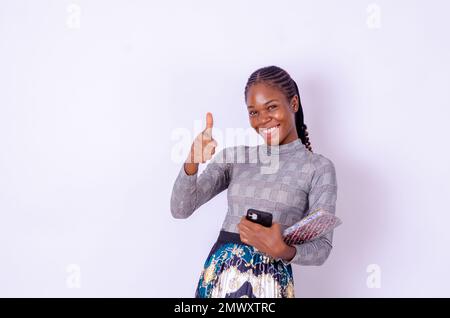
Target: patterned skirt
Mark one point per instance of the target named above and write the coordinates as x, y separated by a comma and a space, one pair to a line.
234, 269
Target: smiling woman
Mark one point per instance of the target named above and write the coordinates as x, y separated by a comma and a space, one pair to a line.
274, 107
248, 259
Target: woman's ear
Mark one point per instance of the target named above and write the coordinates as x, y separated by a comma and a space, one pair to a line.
294, 103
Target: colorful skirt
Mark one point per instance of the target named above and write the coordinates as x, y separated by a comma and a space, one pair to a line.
234, 269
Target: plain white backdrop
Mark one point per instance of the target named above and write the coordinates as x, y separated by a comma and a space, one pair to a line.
91, 93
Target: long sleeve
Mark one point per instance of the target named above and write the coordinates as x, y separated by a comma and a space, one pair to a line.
191, 191
323, 194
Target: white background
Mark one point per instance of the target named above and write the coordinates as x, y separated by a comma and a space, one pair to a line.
92, 91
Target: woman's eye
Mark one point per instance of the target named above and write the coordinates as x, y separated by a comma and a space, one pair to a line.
252, 113
272, 106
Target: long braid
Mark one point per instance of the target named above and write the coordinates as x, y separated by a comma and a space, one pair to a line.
300, 123
279, 78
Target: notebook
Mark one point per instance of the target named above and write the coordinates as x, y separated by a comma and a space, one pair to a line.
314, 225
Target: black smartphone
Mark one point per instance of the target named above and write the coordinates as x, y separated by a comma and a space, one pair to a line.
260, 217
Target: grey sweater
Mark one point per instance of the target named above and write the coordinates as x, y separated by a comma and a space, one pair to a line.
287, 180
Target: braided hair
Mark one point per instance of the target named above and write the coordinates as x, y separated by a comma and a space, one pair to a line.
279, 78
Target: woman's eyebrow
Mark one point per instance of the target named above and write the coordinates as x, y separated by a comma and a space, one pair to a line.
272, 100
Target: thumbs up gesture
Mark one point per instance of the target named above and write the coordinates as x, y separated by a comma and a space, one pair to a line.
204, 145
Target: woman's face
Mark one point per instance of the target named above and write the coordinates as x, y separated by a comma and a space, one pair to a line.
269, 108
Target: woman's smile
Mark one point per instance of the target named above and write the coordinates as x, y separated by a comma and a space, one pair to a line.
270, 132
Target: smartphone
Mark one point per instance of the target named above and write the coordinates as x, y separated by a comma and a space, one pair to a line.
260, 217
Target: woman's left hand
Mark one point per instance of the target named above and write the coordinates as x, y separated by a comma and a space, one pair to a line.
268, 240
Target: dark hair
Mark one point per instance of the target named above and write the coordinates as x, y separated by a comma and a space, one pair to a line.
279, 78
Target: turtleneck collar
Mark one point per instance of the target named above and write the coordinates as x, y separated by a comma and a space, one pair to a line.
292, 146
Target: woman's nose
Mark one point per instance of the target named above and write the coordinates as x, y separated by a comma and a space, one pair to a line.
264, 119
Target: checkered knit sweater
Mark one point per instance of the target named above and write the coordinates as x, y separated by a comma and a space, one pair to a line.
286, 180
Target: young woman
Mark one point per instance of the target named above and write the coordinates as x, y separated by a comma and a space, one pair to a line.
248, 259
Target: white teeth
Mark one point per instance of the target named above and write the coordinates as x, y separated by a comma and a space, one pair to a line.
267, 130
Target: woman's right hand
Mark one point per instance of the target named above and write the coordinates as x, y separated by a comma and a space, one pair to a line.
203, 147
